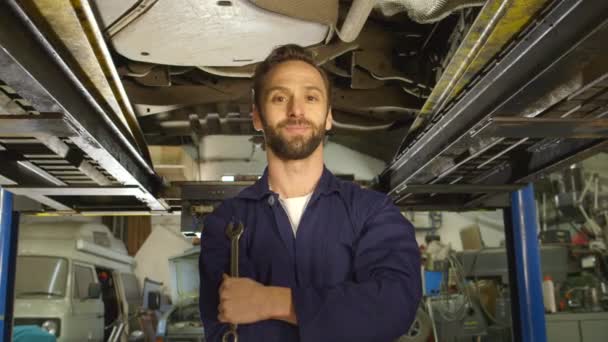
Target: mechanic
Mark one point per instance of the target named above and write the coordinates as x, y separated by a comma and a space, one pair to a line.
321, 259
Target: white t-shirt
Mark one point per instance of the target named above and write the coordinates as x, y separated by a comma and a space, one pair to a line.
295, 208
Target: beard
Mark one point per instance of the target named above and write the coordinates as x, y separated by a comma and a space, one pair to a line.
297, 147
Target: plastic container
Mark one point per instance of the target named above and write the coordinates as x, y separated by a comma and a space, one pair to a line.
432, 283
549, 295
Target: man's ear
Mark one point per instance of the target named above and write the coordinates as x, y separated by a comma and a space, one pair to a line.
257, 119
329, 120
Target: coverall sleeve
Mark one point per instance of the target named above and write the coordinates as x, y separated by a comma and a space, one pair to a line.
380, 303
213, 262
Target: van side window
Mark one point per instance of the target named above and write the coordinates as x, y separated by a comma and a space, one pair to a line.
131, 286
83, 276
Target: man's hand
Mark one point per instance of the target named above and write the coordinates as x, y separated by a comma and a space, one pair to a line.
243, 300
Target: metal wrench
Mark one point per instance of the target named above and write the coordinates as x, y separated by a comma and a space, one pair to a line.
234, 233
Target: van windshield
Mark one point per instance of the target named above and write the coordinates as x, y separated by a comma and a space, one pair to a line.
40, 276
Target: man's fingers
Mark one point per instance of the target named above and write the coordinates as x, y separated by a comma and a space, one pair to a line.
224, 313
224, 294
226, 288
222, 318
226, 280
221, 309
225, 285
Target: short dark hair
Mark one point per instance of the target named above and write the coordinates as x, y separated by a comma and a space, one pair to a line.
281, 54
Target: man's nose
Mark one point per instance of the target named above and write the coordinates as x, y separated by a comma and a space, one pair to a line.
296, 106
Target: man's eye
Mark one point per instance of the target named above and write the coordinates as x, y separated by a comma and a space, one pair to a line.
312, 98
279, 98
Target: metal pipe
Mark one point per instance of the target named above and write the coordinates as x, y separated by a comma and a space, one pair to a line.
426, 11
501, 153
243, 72
105, 60
186, 123
585, 190
439, 9
481, 41
422, 11
223, 121
8, 254
544, 224
361, 128
596, 192
471, 157
526, 253
355, 19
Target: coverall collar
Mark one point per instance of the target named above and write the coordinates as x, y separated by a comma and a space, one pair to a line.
260, 190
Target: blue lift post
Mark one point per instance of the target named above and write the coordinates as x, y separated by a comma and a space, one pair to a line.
8, 252
521, 229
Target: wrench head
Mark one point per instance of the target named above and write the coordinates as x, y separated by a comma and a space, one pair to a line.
230, 333
234, 230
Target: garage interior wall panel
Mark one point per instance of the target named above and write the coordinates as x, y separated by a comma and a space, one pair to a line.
138, 230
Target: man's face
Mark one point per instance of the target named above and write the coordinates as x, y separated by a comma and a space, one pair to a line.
294, 113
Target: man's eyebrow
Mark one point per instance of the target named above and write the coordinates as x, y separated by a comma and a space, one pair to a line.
315, 88
285, 89
271, 89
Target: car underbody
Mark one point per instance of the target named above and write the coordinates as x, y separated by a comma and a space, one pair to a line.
464, 101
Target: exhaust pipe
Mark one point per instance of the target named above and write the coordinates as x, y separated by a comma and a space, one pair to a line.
425, 11
355, 19
421, 11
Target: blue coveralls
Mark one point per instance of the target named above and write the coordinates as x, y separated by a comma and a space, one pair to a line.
353, 266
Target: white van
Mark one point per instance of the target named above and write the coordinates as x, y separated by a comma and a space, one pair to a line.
75, 280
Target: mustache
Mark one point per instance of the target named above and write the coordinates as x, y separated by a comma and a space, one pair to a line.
295, 122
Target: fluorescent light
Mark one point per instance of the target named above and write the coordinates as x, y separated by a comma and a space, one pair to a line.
227, 178
116, 213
